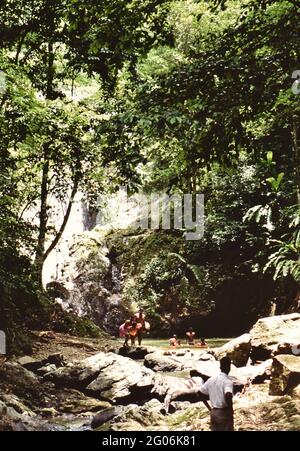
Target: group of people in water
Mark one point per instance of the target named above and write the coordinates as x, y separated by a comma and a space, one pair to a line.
134, 328
190, 340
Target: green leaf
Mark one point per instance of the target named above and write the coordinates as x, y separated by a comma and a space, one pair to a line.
270, 157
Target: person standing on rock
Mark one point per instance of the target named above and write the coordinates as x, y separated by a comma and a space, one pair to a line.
133, 332
219, 389
140, 319
124, 332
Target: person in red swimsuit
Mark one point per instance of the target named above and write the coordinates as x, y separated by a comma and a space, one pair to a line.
133, 332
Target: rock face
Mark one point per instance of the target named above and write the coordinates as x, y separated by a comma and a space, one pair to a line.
237, 350
164, 384
92, 281
285, 374
112, 377
206, 370
268, 333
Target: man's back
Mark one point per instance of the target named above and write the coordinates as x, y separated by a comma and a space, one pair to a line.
216, 388
220, 392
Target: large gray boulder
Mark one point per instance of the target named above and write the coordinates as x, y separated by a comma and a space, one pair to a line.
268, 333
179, 360
285, 374
164, 384
106, 375
238, 350
256, 374
158, 361
206, 369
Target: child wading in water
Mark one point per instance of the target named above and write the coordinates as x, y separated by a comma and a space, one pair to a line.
174, 341
202, 343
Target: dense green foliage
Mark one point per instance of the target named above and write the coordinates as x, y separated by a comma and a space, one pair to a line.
175, 96
216, 114
48, 150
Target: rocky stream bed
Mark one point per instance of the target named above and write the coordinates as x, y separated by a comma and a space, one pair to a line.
79, 384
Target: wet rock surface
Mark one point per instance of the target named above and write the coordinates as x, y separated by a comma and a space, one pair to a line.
27, 403
106, 375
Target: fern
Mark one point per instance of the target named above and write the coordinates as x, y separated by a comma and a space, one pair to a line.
286, 260
197, 273
260, 213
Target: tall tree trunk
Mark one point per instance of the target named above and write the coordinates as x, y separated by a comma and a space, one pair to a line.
43, 215
50, 71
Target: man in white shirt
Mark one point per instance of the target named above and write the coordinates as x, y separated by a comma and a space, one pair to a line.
219, 389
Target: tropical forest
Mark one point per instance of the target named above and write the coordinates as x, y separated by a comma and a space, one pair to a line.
149, 215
